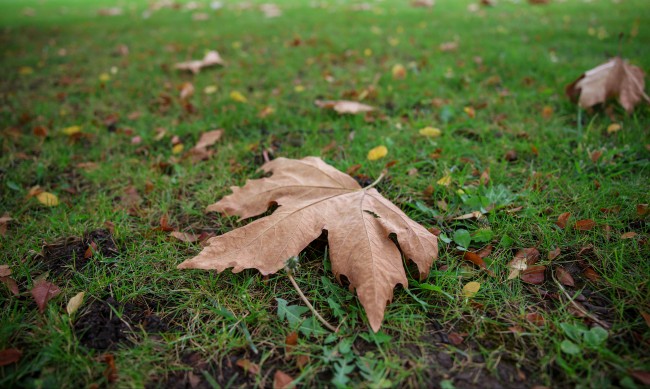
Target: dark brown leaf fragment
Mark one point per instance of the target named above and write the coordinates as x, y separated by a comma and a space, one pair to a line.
534, 275
564, 276
42, 292
9, 356
585, 225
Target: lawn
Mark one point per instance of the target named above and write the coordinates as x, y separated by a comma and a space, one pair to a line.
92, 113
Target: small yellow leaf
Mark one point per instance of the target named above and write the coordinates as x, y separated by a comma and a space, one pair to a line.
377, 153
444, 181
470, 112
48, 199
367, 52
431, 132
299, 88
399, 72
393, 41
177, 149
210, 89
615, 127
237, 96
71, 130
104, 77
75, 303
25, 70
471, 288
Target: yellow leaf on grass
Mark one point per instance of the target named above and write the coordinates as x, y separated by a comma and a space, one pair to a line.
75, 303
299, 88
470, 112
210, 89
48, 199
237, 96
444, 181
399, 72
177, 149
104, 77
71, 130
377, 153
471, 288
614, 127
431, 132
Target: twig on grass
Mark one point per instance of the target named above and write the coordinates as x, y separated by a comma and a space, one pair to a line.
311, 307
578, 306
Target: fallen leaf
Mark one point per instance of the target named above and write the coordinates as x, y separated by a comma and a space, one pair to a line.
75, 303
448, 46
185, 236
510, 156
92, 248
211, 58
591, 275
11, 285
42, 292
399, 72
110, 373
40, 131
646, 317
281, 380
344, 106
187, 90
554, 253
444, 181
477, 260
564, 276
290, 342
430, 132
248, 366
302, 360
5, 271
9, 356
422, 3
210, 89
614, 127
471, 288
455, 338
313, 196
238, 97
377, 153
48, 199
208, 139
642, 376
615, 78
178, 148
642, 209
585, 225
535, 318
629, 235
533, 275
71, 130
562, 220
270, 10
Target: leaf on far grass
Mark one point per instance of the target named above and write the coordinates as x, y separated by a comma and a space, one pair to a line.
344, 106
281, 380
42, 292
562, 220
534, 275
377, 153
48, 199
564, 276
523, 258
185, 236
554, 253
211, 58
11, 285
471, 288
75, 303
614, 78
248, 366
5, 271
312, 197
585, 225
477, 260
290, 342
9, 356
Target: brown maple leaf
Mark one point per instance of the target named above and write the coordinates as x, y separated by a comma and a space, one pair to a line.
615, 78
312, 197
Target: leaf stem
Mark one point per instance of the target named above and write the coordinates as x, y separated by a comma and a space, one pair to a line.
381, 176
311, 307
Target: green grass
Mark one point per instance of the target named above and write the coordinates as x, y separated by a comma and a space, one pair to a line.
527, 55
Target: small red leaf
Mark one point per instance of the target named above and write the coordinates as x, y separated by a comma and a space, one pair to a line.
530, 254
42, 292
9, 356
536, 319
11, 284
564, 277
562, 220
642, 376
477, 260
485, 251
455, 338
92, 248
554, 253
290, 342
591, 274
534, 275
281, 380
585, 225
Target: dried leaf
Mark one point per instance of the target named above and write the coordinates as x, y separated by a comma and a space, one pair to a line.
248, 366
48, 199
344, 106
185, 236
477, 260
238, 97
642, 209
629, 235
564, 276
5, 271
563, 219
642, 376
312, 197
9, 356
290, 342
110, 373
430, 132
646, 317
211, 58
187, 90
534, 275
208, 139
455, 338
554, 253
585, 225
75, 303
11, 284
471, 288
615, 78
42, 292
535, 318
399, 72
591, 274
377, 153
281, 380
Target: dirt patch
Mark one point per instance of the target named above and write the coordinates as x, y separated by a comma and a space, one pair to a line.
67, 254
107, 323
195, 369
